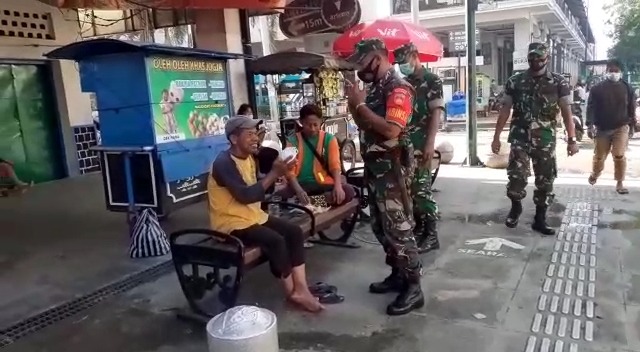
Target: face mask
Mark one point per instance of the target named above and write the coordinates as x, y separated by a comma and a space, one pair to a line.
614, 76
537, 65
368, 74
406, 69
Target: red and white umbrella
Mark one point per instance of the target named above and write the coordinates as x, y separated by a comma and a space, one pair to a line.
394, 34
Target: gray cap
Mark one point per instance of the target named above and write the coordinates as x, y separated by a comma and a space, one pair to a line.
240, 122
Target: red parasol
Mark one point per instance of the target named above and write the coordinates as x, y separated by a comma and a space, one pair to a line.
394, 34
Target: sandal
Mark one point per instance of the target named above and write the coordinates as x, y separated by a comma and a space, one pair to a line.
331, 298
622, 190
321, 288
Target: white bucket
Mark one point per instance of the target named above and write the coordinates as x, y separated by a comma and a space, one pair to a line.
243, 329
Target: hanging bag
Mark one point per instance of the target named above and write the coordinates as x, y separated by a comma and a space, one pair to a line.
148, 239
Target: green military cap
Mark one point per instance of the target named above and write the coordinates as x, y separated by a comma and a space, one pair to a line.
364, 47
538, 49
402, 53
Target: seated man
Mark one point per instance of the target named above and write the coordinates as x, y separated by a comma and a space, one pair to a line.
235, 194
318, 167
9, 180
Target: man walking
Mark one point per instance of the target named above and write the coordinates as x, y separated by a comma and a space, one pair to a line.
388, 160
611, 114
536, 96
427, 112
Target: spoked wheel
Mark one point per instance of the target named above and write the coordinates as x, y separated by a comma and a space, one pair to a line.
348, 155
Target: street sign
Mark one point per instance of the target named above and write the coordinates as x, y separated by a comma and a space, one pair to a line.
458, 40
323, 16
520, 61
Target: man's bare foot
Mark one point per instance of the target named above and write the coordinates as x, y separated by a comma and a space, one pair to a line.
306, 301
592, 179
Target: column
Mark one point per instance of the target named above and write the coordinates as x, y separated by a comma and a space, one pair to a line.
521, 35
219, 30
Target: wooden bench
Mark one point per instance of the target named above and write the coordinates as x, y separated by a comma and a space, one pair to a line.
200, 256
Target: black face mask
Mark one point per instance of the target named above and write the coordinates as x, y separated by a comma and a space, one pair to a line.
368, 74
537, 65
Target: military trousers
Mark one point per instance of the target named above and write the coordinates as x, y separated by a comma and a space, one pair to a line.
545, 171
392, 219
424, 206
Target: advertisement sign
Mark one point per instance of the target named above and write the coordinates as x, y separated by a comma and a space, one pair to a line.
323, 16
187, 188
189, 97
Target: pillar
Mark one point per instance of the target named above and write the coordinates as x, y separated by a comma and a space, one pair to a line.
220, 30
521, 35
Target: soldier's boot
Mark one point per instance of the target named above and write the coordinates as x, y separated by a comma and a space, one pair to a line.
540, 222
428, 240
392, 283
514, 214
409, 299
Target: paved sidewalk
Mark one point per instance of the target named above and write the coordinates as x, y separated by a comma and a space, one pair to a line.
489, 288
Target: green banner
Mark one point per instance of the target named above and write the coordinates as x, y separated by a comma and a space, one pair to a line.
189, 97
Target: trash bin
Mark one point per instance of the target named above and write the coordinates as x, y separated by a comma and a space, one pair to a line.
243, 329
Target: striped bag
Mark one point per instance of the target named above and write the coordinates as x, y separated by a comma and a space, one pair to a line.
148, 239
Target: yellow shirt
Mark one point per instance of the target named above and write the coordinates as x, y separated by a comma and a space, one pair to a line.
234, 194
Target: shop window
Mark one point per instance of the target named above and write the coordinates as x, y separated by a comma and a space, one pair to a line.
26, 25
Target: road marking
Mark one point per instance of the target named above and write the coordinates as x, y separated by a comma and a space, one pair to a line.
495, 243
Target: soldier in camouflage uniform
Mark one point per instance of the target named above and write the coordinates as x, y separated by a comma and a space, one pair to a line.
536, 95
389, 163
427, 112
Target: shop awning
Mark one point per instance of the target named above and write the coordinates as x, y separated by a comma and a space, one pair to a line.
167, 4
97, 47
295, 62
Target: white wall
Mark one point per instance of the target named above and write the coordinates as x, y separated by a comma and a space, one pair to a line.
74, 105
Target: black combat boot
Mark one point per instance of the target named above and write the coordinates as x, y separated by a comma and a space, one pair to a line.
514, 214
409, 299
392, 283
540, 222
428, 239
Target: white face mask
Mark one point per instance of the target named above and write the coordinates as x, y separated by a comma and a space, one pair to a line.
614, 76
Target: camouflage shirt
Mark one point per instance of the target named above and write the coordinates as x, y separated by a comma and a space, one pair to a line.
535, 107
428, 88
392, 98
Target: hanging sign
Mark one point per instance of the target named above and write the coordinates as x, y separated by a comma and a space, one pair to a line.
303, 17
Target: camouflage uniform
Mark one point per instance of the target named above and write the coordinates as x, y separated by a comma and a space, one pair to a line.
533, 130
428, 88
389, 166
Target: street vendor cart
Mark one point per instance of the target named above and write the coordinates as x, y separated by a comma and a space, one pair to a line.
162, 112
324, 86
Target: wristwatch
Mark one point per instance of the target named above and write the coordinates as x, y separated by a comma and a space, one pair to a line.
571, 140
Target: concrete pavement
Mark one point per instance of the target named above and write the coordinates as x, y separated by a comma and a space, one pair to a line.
485, 286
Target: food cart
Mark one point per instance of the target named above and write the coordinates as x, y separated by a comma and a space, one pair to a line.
324, 86
162, 114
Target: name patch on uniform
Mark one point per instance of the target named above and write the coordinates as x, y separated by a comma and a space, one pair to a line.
399, 106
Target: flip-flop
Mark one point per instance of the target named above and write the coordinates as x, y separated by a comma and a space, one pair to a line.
321, 288
622, 190
331, 298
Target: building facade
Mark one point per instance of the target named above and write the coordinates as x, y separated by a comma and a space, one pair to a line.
504, 30
46, 120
